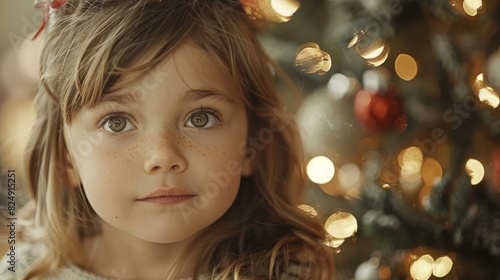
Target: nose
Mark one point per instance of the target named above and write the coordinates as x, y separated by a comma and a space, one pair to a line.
164, 155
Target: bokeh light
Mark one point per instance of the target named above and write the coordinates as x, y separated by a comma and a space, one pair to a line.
442, 266
349, 176
340, 85
273, 10
473, 4
341, 225
489, 97
410, 161
406, 67
476, 171
308, 209
375, 52
468, 9
285, 8
421, 269
311, 59
320, 170
431, 171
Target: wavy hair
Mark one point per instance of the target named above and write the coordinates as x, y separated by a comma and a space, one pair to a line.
90, 46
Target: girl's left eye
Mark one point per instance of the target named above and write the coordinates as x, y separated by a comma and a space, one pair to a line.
117, 124
202, 119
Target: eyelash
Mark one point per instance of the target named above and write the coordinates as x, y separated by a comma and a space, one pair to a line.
113, 114
209, 110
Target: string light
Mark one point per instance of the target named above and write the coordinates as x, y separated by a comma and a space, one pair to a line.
311, 59
406, 67
476, 171
320, 170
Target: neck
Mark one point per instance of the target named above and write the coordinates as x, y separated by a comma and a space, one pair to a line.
116, 254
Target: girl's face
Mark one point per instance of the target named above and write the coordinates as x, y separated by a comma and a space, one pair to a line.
163, 158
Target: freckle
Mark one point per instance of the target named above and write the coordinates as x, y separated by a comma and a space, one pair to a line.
116, 217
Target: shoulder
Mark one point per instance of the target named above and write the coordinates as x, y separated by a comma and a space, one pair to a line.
17, 259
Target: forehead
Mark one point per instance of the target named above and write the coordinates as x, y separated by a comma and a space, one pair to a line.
187, 66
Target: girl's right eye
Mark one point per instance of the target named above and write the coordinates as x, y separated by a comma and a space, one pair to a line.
117, 124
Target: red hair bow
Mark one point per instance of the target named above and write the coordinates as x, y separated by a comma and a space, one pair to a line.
46, 5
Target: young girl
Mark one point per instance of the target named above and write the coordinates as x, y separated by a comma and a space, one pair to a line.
161, 151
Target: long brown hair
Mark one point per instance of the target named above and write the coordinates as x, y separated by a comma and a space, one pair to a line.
89, 47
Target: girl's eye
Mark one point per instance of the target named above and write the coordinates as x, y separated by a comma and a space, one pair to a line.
202, 120
116, 124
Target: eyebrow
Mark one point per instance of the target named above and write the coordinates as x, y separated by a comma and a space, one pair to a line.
123, 98
197, 94
189, 96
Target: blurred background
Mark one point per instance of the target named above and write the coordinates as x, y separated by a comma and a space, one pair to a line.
399, 113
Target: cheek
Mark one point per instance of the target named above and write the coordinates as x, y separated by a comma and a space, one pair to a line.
101, 173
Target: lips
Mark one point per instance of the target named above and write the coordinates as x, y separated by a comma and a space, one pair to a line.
167, 196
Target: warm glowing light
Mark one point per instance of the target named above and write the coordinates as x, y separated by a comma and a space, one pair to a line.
285, 8
311, 59
374, 50
406, 67
469, 10
442, 266
273, 10
410, 160
488, 96
379, 60
349, 176
480, 77
384, 272
334, 243
375, 53
473, 4
421, 269
363, 98
320, 170
338, 86
431, 171
476, 171
341, 225
308, 209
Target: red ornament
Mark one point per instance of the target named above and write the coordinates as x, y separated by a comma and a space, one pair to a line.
495, 162
378, 111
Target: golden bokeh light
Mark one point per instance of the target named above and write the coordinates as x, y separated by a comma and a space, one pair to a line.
476, 171
375, 62
473, 4
333, 242
349, 176
421, 269
320, 170
410, 160
469, 10
406, 67
373, 50
341, 225
431, 171
285, 8
489, 97
311, 59
273, 10
442, 266
308, 209
340, 85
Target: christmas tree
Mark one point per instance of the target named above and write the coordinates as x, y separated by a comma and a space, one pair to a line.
401, 127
